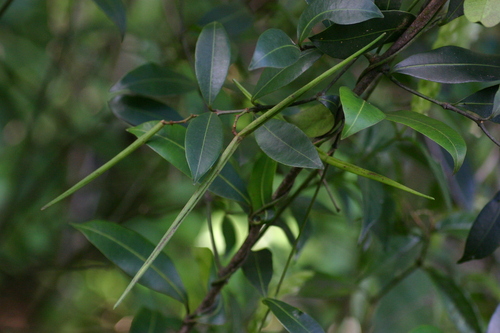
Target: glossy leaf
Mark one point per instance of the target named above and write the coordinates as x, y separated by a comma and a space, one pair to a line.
494, 324
136, 110
274, 49
234, 16
204, 138
273, 79
258, 269
332, 102
426, 329
388, 4
314, 121
129, 250
451, 64
292, 319
260, 186
286, 144
484, 235
337, 11
340, 41
437, 131
115, 10
212, 60
481, 102
150, 321
455, 10
485, 11
153, 80
359, 114
460, 309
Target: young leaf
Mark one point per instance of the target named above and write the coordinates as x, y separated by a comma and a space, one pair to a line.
292, 319
153, 80
129, 250
150, 321
484, 235
136, 110
286, 144
367, 174
494, 324
338, 11
115, 10
485, 11
359, 114
451, 64
258, 269
481, 102
437, 131
340, 41
273, 79
274, 49
460, 309
212, 60
203, 143
314, 121
260, 186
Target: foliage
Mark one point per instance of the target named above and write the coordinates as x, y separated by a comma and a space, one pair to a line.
297, 187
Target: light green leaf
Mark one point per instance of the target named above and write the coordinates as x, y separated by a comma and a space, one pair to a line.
115, 10
286, 144
485, 11
203, 143
258, 269
129, 250
274, 49
359, 114
261, 181
314, 121
292, 319
212, 60
439, 132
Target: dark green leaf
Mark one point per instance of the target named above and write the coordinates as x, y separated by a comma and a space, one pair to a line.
260, 186
451, 64
258, 269
273, 79
115, 10
150, 321
212, 60
388, 4
234, 16
455, 10
485, 11
341, 41
292, 319
153, 80
460, 308
274, 49
481, 102
437, 131
359, 114
136, 110
426, 329
484, 235
337, 11
300, 211
129, 250
314, 121
332, 102
204, 138
286, 144
229, 184
229, 233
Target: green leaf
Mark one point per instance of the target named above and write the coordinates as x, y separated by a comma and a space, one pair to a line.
204, 138
484, 235
286, 144
388, 4
481, 102
129, 250
115, 10
292, 319
340, 41
228, 184
229, 233
426, 329
455, 10
359, 114
258, 269
136, 110
273, 79
235, 17
437, 131
338, 11
260, 186
367, 174
496, 105
212, 60
485, 11
314, 121
150, 321
153, 80
451, 64
274, 49
460, 308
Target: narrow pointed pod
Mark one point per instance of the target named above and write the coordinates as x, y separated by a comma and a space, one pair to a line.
226, 155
